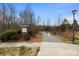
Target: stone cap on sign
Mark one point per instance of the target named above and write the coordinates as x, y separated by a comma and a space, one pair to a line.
23, 26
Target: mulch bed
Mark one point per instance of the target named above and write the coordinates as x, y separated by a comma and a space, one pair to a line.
37, 38
15, 51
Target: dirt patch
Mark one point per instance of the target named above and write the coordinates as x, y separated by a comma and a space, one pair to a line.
67, 34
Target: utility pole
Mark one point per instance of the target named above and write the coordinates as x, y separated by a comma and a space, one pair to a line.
59, 23
73, 31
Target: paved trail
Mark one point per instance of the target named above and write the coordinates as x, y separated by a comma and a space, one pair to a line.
52, 46
47, 37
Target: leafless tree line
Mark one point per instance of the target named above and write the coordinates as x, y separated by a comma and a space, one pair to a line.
9, 19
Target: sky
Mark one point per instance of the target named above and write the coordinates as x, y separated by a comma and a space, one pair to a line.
50, 12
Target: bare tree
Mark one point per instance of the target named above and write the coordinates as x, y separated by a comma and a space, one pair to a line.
12, 16
3, 22
27, 16
8, 20
48, 26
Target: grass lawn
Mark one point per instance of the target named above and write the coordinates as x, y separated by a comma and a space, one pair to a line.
19, 51
69, 40
77, 34
63, 39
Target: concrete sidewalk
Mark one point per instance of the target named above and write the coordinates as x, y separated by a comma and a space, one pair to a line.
18, 44
49, 48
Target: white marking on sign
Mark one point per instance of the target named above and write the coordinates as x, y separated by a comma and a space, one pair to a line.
24, 29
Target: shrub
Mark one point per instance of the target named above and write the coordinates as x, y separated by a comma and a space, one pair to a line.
10, 35
32, 30
38, 49
23, 50
26, 36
